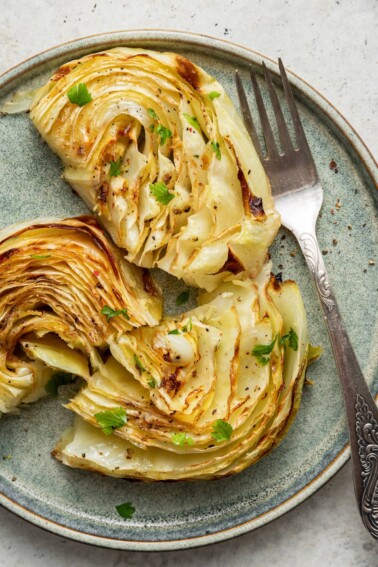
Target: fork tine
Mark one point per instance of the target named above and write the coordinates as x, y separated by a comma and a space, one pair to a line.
299, 132
270, 143
247, 116
287, 146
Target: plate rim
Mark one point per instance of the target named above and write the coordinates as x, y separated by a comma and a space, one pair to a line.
365, 156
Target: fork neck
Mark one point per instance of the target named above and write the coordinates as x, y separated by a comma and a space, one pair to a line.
299, 210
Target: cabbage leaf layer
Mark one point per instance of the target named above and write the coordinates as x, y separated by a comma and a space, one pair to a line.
64, 290
156, 149
200, 400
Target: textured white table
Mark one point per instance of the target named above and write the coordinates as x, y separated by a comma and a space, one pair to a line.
333, 45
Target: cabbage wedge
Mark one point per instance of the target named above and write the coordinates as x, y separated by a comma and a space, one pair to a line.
156, 149
58, 281
205, 394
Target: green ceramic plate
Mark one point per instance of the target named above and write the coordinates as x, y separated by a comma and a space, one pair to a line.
80, 505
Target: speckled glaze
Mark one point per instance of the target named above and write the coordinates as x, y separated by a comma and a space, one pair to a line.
80, 505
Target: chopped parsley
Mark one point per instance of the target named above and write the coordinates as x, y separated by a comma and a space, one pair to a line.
125, 510
260, 352
290, 339
59, 379
185, 329
153, 114
79, 94
138, 364
40, 256
110, 420
216, 150
160, 130
161, 192
192, 121
115, 168
188, 327
222, 431
213, 95
110, 313
164, 133
181, 439
182, 298
152, 382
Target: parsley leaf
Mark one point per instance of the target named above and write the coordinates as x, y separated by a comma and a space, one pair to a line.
40, 256
110, 313
182, 298
260, 352
222, 430
192, 121
138, 364
216, 150
174, 332
181, 439
152, 382
164, 133
291, 339
58, 379
188, 327
110, 420
213, 95
153, 114
160, 130
125, 510
79, 94
161, 192
115, 168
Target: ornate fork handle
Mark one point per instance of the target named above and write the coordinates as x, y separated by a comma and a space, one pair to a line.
361, 409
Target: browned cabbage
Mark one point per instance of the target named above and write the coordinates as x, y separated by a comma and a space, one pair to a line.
56, 276
199, 403
160, 154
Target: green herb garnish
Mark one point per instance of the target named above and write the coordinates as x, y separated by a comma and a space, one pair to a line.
152, 382
260, 352
115, 168
59, 379
181, 439
110, 313
125, 510
79, 94
213, 95
161, 192
160, 130
192, 121
164, 133
110, 420
222, 431
182, 298
153, 114
188, 327
216, 150
174, 332
40, 256
138, 364
290, 339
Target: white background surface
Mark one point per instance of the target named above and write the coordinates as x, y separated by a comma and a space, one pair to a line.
333, 45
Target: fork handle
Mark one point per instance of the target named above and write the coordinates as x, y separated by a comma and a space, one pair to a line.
362, 412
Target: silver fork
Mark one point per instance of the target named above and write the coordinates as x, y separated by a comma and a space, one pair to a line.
298, 197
